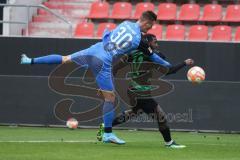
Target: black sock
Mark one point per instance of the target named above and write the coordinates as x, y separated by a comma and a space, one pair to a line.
162, 124
166, 134
108, 129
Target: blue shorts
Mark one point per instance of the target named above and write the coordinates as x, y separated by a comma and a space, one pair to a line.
100, 63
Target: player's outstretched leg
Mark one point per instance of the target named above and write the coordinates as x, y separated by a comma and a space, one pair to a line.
49, 59
164, 129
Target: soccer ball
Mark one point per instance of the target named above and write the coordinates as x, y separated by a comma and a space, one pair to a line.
196, 74
72, 123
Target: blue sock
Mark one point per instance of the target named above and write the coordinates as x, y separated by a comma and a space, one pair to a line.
108, 116
50, 59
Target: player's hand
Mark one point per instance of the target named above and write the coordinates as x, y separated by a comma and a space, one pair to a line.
189, 62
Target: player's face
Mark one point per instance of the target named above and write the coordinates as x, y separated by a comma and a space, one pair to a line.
154, 44
146, 25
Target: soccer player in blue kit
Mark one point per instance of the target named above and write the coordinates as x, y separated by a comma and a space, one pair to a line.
125, 38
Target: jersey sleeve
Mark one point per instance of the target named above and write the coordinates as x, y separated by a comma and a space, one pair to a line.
157, 59
160, 53
176, 68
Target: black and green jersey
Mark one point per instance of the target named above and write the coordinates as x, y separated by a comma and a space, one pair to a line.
139, 73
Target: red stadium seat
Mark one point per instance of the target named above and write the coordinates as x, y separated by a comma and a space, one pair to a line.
189, 12
84, 29
237, 34
156, 30
175, 32
212, 12
99, 10
141, 7
221, 33
167, 11
232, 13
198, 32
121, 10
103, 26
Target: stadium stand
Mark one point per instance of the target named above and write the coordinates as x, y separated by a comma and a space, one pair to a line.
156, 30
103, 26
167, 11
99, 10
189, 12
84, 29
121, 10
193, 19
141, 7
175, 32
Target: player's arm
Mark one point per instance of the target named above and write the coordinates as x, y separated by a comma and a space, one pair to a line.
174, 68
177, 67
162, 61
146, 49
171, 68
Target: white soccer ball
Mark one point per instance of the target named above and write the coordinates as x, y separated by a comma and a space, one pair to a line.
196, 74
72, 123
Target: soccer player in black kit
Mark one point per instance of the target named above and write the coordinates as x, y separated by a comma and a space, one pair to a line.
147, 105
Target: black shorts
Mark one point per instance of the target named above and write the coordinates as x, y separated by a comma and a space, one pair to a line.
147, 105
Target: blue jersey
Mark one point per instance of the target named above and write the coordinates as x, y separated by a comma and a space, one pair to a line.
123, 39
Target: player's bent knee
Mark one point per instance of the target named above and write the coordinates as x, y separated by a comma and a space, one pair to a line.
66, 59
108, 96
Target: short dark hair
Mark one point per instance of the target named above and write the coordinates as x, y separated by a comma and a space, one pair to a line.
148, 15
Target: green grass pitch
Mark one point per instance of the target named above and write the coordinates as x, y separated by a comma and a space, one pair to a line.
36, 143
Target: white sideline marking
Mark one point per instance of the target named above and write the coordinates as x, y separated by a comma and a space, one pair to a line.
91, 141
210, 144
58, 141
